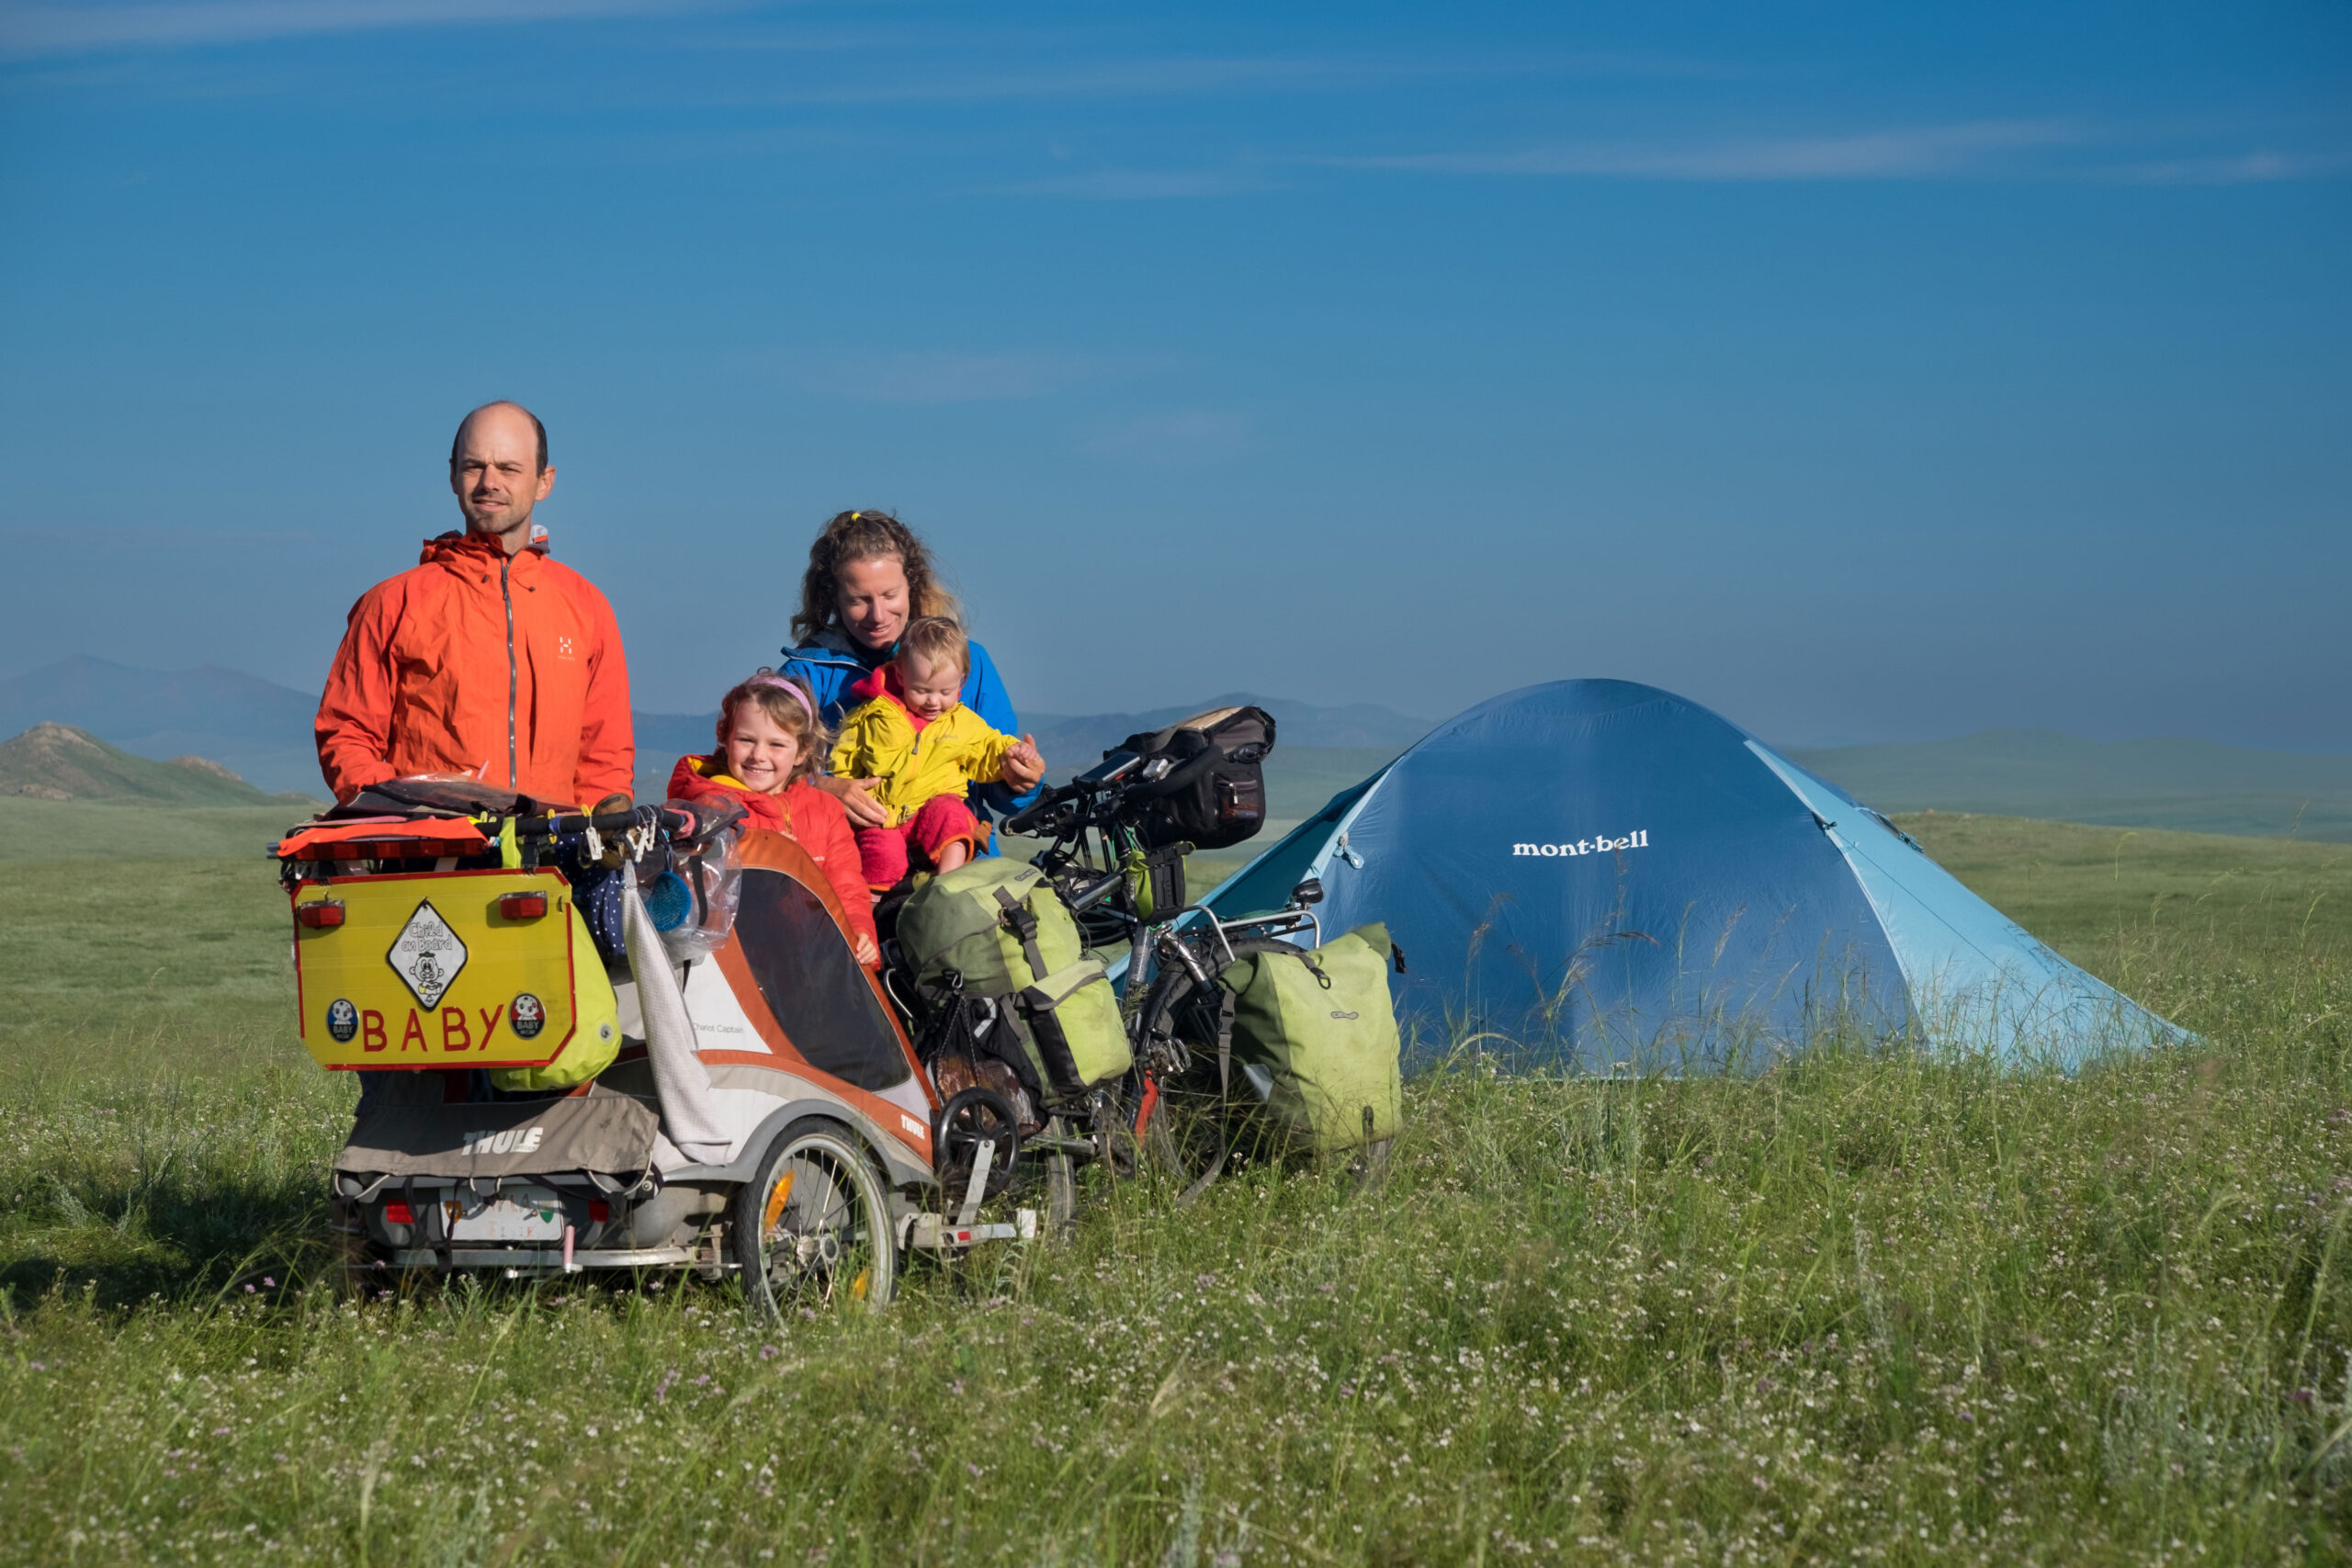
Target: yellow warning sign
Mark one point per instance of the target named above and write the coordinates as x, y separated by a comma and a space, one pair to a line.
447, 969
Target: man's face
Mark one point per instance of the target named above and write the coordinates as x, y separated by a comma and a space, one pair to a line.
496, 474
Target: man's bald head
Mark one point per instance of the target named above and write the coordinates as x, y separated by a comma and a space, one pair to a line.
538, 431
498, 468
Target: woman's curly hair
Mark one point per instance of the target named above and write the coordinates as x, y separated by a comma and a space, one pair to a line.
865, 535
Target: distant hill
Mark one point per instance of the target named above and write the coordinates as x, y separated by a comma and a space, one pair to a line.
1080, 741
56, 761
2189, 786
256, 728
1072, 742
664, 738
261, 731
253, 727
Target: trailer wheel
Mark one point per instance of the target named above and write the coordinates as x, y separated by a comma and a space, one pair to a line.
812, 1231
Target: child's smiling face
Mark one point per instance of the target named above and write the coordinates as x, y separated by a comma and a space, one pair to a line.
759, 752
932, 686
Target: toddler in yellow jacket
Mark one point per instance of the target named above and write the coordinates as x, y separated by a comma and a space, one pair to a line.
912, 733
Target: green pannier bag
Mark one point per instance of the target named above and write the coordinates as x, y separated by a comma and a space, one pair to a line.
956, 922
1320, 1027
994, 928
1075, 1031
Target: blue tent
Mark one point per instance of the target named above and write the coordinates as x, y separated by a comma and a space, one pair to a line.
1595, 875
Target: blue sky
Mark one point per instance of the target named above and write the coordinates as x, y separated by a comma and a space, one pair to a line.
1866, 372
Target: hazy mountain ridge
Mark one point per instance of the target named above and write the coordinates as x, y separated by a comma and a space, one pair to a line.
57, 761
1080, 741
261, 731
2191, 785
1072, 741
256, 728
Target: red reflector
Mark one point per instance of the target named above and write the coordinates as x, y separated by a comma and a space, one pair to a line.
398, 1214
324, 915
523, 905
599, 1210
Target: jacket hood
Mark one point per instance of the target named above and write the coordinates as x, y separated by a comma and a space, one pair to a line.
883, 681
457, 547
707, 778
832, 646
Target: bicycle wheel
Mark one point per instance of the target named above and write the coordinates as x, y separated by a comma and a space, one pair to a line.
811, 1232
1185, 1138
1061, 1189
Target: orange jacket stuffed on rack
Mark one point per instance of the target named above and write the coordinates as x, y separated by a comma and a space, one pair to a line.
475, 661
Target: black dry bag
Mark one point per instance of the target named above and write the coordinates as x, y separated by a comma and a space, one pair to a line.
1213, 791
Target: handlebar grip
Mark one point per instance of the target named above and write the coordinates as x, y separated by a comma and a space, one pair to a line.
1178, 777
1029, 816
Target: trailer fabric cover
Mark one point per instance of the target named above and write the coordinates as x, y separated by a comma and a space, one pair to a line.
609, 1134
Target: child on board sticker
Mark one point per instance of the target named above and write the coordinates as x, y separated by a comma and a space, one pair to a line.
769, 740
912, 733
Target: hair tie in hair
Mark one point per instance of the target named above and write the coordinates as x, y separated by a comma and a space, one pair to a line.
782, 683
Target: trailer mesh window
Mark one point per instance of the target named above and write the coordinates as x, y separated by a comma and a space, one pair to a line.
813, 984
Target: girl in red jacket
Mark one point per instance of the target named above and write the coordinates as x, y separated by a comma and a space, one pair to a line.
770, 740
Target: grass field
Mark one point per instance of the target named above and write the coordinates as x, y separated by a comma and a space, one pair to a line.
1871, 1308
2189, 786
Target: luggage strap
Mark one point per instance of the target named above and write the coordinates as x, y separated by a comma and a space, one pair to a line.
1225, 999
1017, 920
1033, 1023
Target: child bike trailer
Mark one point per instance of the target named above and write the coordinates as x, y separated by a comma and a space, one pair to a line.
732, 1098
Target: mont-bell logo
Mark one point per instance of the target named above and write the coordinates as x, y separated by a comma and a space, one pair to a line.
1637, 840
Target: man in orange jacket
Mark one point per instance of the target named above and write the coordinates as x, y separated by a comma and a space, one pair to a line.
486, 658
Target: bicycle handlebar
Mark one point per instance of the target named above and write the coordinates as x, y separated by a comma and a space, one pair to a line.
1035, 812
1109, 780
675, 824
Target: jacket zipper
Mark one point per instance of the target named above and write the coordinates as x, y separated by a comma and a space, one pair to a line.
506, 592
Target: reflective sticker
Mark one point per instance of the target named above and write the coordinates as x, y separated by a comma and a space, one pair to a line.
342, 1019
526, 1016
427, 955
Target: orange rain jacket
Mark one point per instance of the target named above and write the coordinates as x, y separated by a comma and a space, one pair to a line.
479, 662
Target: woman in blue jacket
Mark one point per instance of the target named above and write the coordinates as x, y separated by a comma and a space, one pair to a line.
869, 575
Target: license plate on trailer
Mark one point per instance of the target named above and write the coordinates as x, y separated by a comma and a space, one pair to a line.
506, 1219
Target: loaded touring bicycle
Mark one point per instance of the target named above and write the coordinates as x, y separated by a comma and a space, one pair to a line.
640, 1040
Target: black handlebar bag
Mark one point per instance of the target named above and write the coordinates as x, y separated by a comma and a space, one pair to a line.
1213, 793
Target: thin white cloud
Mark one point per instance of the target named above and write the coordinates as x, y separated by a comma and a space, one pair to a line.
168, 24
1141, 184
1104, 79
1187, 439
942, 377
1189, 75
1910, 153
2246, 168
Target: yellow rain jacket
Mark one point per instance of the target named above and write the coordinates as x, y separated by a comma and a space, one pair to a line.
880, 740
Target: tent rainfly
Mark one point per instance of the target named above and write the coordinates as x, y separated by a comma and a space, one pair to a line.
1598, 875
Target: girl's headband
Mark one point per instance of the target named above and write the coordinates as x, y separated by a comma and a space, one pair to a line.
781, 684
